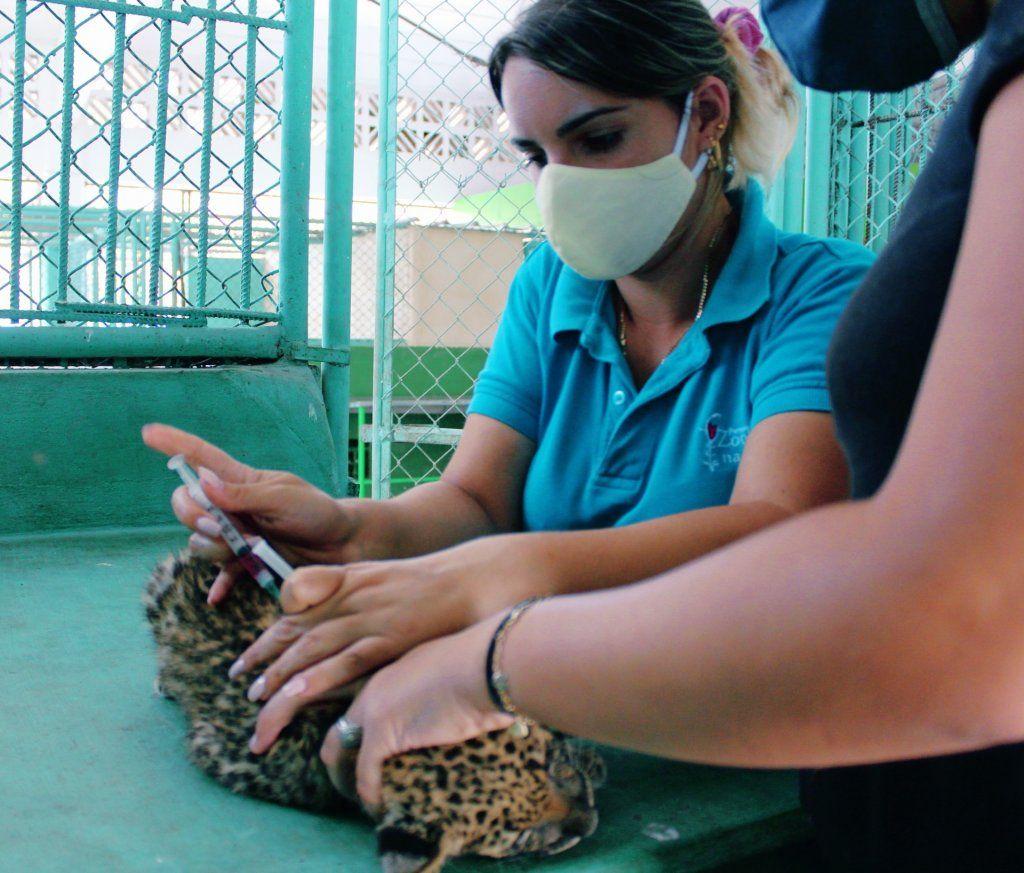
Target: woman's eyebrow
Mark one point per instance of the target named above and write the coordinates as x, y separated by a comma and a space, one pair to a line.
573, 123
526, 145
568, 127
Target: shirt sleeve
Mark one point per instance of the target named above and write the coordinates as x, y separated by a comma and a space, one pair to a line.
509, 386
789, 374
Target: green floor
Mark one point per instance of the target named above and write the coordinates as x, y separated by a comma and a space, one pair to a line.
94, 775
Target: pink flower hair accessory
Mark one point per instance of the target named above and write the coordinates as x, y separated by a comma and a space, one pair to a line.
745, 24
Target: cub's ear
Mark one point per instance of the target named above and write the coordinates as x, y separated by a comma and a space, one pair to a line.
403, 851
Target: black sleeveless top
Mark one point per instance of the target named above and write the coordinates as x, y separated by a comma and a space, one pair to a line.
961, 813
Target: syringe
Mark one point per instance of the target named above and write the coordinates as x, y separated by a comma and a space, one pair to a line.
261, 562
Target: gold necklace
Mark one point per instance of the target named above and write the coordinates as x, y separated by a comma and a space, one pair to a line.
705, 284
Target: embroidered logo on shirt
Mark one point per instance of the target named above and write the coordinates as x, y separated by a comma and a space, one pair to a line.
724, 445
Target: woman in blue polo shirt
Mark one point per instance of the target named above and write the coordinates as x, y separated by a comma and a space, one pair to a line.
657, 386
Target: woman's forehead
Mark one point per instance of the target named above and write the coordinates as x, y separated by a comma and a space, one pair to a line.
538, 101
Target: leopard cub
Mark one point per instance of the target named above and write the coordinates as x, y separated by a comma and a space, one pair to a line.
496, 795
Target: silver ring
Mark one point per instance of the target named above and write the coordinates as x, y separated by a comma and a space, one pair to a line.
351, 734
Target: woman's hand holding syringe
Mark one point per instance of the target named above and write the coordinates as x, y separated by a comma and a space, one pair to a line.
304, 524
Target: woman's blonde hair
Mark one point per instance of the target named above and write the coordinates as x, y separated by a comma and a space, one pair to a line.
664, 49
765, 108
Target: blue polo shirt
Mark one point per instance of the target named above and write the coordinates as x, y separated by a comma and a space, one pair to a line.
610, 454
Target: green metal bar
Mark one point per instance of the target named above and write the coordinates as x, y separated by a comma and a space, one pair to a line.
65, 152
793, 193
364, 484
899, 138
859, 175
839, 215
204, 157
387, 179
246, 315
879, 205
17, 141
236, 17
138, 342
114, 165
341, 129
250, 147
159, 155
186, 14
295, 148
818, 151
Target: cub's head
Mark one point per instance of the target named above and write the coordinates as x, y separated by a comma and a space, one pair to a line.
498, 795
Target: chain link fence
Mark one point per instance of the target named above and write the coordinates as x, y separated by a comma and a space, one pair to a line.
140, 152
880, 142
441, 286
443, 282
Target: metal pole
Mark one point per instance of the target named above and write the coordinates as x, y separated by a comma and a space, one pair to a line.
247, 170
295, 146
114, 164
383, 348
204, 159
859, 167
37, 343
159, 157
793, 181
67, 107
818, 138
840, 183
337, 301
879, 205
17, 142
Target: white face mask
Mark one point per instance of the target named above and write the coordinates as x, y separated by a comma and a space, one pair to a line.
607, 223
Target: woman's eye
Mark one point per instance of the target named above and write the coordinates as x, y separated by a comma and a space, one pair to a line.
538, 159
600, 143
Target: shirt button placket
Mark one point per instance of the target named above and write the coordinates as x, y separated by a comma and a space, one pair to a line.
618, 397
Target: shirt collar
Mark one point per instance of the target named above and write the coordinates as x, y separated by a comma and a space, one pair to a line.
744, 286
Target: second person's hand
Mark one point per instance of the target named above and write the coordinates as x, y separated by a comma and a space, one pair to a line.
344, 622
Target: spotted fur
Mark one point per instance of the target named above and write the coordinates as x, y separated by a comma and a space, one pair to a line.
495, 796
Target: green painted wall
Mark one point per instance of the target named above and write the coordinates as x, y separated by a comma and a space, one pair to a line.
72, 457
420, 371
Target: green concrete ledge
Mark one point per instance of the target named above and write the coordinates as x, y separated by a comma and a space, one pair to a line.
72, 457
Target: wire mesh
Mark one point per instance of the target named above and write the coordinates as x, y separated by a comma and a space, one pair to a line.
442, 279
140, 160
880, 142
442, 283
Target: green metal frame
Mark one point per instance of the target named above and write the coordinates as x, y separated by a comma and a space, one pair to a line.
83, 329
341, 95
295, 122
384, 338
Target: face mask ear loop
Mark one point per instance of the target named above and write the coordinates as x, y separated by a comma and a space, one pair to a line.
684, 127
698, 168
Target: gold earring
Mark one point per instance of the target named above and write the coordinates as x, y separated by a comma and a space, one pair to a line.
715, 156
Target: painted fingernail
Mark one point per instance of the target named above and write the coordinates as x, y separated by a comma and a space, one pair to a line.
201, 545
295, 687
237, 669
252, 744
207, 475
257, 688
208, 526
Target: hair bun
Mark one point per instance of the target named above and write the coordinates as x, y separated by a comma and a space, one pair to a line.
744, 25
